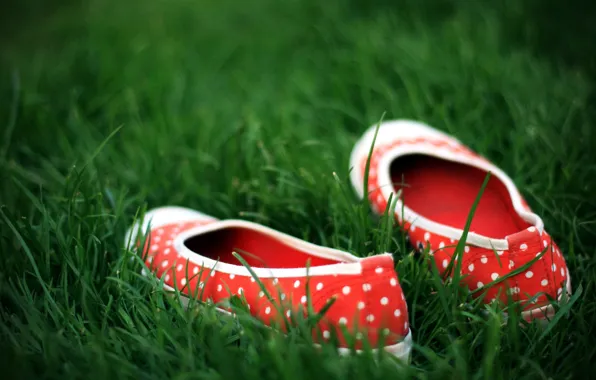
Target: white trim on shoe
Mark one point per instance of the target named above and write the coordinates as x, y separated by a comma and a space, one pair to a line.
389, 131
401, 350
386, 187
348, 264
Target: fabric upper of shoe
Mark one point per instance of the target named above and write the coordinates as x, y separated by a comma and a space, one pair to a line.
368, 300
370, 305
531, 271
523, 265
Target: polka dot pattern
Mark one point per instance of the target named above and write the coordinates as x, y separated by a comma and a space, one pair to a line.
484, 271
483, 266
375, 304
373, 301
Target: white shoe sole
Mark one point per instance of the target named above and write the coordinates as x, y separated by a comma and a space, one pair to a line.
401, 350
545, 312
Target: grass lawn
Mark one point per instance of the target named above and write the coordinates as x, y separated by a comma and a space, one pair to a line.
250, 110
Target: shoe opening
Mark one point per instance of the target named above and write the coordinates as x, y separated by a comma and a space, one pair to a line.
444, 192
258, 249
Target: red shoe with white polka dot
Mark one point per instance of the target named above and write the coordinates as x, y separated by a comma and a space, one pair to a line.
194, 254
508, 255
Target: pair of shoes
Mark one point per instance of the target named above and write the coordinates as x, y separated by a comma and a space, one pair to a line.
435, 179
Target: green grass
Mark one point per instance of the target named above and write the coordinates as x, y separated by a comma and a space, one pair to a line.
250, 111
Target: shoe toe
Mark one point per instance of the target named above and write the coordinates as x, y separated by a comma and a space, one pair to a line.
161, 216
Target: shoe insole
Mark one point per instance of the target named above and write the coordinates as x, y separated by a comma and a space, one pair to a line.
256, 248
444, 192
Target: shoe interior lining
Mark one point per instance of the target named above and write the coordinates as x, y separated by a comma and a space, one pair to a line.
258, 249
444, 191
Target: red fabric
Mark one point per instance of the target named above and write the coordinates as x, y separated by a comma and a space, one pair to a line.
371, 304
483, 269
444, 192
256, 248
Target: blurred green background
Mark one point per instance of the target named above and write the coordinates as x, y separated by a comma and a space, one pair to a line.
250, 110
